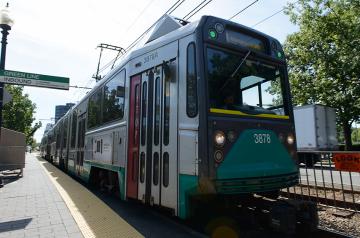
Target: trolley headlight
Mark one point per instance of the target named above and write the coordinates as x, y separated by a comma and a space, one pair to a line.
290, 139
219, 138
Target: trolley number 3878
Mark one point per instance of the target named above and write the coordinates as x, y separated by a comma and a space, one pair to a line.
262, 138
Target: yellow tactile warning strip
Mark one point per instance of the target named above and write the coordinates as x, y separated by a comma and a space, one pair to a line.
93, 216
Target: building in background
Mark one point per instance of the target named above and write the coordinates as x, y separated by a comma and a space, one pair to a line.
60, 110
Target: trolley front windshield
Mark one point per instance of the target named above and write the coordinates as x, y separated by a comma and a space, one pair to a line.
246, 85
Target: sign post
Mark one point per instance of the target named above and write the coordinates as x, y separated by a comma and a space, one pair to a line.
35, 80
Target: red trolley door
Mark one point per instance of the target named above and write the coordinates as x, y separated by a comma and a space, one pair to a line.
134, 135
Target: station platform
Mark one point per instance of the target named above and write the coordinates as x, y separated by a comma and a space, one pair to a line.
46, 202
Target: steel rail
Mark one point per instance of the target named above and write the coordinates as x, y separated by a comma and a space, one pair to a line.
324, 201
326, 233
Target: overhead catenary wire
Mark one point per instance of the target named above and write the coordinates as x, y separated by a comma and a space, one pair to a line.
139, 15
112, 62
267, 18
272, 15
47, 119
80, 87
194, 9
198, 9
140, 37
169, 11
175, 5
242, 10
77, 93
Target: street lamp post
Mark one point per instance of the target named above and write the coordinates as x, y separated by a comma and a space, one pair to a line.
6, 22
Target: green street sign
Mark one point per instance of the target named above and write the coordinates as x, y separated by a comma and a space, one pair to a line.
35, 80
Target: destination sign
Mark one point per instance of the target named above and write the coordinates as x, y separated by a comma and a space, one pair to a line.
347, 161
35, 80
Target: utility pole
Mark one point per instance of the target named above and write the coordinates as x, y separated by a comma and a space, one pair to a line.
5, 24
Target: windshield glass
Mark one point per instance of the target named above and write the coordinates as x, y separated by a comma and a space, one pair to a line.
249, 86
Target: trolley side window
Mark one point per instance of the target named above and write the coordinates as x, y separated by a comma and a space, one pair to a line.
166, 110
81, 133
136, 111
143, 113
156, 169
166, 169
191, 83
57, 143
114, 98
73, 130
65, 134
157, 111
94, 109
142, 167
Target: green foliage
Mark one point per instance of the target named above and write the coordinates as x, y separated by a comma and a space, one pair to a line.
18, 114
324, 57
355, 135
340, 134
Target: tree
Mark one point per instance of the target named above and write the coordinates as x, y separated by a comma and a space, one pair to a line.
324, 57
18, 113
355, 135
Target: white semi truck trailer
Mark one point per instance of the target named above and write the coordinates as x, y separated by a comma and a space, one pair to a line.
315, 127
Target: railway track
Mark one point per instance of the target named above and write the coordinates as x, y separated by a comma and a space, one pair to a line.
323, 200
325, 233
320, 233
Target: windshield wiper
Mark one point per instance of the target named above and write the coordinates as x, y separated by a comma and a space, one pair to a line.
242, 61
236, 70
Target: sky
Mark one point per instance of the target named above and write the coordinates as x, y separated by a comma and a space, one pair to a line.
60, 37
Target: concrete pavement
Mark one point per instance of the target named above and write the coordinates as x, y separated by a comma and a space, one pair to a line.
32, 207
